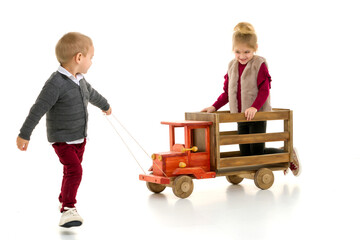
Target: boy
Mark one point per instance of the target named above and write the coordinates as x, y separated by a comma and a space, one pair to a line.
64, 99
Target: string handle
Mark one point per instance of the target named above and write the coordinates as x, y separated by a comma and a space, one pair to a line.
134, 141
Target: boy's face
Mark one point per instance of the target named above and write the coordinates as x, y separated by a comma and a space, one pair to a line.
85, 61
243, 53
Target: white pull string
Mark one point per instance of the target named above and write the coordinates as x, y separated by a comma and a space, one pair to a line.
134, 141
125, 143
130, 135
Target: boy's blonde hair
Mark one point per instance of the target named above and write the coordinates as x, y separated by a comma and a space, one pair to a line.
244, 33
71, 44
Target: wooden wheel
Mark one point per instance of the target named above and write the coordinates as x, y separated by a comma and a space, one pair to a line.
154, 187
234, 179
264, 178
183, 186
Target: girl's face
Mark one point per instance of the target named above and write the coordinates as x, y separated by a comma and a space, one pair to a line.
243, 53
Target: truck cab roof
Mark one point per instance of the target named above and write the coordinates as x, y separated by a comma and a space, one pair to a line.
184, 123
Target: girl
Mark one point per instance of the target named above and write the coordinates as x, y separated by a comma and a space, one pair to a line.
247, 89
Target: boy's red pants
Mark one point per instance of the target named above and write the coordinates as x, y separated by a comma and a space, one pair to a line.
70, 155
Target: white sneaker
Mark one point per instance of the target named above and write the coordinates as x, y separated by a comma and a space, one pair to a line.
295, 165
70, 218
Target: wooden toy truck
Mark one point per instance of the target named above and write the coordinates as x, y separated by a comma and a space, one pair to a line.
200, 156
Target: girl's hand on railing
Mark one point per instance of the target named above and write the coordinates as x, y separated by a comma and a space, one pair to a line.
209, 109
250, 113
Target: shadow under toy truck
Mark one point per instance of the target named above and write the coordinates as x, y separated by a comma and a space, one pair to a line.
200, 156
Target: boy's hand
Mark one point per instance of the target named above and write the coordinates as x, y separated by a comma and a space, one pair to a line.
22, 144
250, 113
209, 109
108, 112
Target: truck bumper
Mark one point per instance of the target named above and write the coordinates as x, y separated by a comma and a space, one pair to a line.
154, 179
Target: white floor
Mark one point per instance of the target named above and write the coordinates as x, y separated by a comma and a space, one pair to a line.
321, 204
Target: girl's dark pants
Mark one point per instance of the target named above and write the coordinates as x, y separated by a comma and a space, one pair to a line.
254, 148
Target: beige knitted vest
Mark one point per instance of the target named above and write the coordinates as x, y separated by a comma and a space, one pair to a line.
249, 89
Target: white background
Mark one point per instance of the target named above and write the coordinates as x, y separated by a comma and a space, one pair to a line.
155, 60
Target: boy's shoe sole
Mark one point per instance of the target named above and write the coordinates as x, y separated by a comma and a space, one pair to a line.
71, 224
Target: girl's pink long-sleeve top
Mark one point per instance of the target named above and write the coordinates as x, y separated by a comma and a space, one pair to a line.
263, 83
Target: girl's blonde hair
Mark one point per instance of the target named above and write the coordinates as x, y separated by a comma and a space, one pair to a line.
71, 44
244, 33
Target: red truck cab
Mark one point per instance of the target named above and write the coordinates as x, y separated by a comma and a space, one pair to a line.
191, 159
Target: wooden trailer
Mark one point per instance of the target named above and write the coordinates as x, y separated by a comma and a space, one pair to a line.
201, 157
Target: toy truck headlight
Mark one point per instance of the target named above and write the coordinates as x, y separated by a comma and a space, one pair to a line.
153, 157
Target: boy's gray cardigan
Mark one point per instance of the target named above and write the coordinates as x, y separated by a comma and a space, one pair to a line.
65, 104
